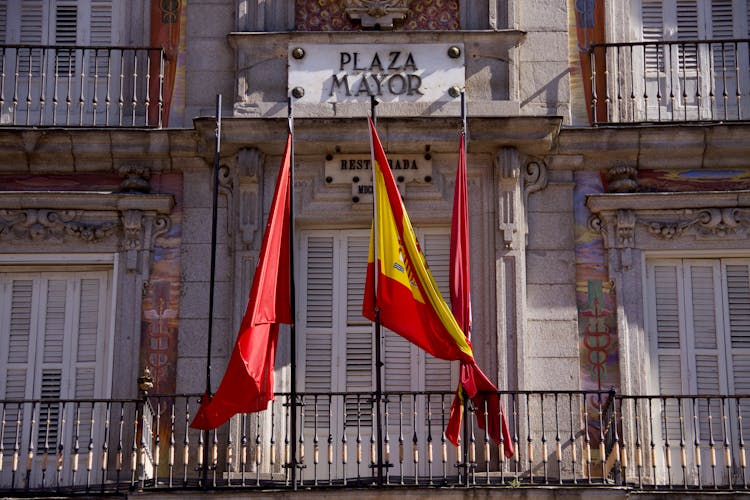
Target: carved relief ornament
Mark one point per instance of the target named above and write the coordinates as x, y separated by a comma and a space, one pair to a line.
382, 13
120, 221
664, 218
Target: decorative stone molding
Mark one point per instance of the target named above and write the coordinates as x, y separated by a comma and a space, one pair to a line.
249, 200
52, 225
705, 216
508, 167
622, 179
106, 221
535, 178
514, 189
136, 179
713, 222
377, 13
132, 228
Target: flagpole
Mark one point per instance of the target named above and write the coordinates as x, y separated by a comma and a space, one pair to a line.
212, 279
378, 332
292, 329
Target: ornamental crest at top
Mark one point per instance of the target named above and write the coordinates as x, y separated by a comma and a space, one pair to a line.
377, 13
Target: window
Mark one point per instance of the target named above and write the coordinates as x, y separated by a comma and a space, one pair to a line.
700, 340
339, 351
57, 79
695, 72
54, 345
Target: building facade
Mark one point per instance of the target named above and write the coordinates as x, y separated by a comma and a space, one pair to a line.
609, 209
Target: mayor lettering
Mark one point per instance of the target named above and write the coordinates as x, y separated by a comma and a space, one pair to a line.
386, 73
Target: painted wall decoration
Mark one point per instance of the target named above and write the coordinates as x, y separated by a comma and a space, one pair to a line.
693, 180
595, 297
168, 21
586, 23
161, 299
330, 15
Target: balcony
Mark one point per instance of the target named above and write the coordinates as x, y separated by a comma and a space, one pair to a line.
566, 439
669, 82
77, 86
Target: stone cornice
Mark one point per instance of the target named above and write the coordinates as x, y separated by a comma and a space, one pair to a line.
534, 136
673, 146
86, 200
667, 201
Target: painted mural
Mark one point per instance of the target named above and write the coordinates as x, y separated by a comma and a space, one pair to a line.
161, 299
168, 22
330, 15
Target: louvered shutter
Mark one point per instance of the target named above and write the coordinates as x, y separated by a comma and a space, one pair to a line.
652, 18
670, 347
359, 336
56, 348
18, 348
318, 309
738, 319
707, 353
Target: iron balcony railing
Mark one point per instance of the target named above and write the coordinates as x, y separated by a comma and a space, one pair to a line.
81, 86
669, 81
564, 438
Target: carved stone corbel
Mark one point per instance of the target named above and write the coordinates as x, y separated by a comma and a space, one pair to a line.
249, 199
132, 229
136, 179
377, 13
508, 167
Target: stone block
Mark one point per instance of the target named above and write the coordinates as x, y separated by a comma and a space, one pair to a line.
196, 189
545, 46
192, 341
194, 301
201, 89
207, 54
550, 267
543, 15
545, 82
197, 225
196, 263
551, 374
551, 302
556, 339
215, 19
554, 198
550, 231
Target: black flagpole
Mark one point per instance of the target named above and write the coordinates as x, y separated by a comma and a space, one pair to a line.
378, 333
292, 332
212, 276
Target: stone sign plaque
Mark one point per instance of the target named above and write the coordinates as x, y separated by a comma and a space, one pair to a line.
425, 72
356, 170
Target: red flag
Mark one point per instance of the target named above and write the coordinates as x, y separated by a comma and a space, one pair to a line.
472, 380
247, 385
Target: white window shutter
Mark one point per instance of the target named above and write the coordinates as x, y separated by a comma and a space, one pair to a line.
667, 304
319, 296
703, 306
359, 339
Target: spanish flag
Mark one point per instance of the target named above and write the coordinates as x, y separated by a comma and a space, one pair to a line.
401, 288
